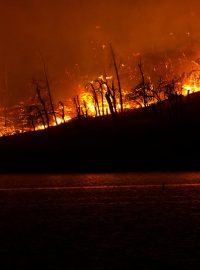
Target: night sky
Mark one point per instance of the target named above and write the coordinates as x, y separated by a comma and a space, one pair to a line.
69, 34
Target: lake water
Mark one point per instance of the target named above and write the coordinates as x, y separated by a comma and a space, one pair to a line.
100, 221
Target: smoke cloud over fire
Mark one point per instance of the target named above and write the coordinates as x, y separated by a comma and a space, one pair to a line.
72, 57
71, 35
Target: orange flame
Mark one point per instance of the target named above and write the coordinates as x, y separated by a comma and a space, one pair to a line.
88, 103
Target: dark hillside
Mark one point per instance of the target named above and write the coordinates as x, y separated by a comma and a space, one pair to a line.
164, 136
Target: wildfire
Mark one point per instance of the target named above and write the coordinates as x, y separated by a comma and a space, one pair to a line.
98, 98
190, 88
192, 83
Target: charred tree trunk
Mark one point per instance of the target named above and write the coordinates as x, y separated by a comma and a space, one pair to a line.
118, 78
32, 121
41, 116
49, 92
95, 99
102, 98
86, 109
62, 111
77, 105
42, 103
108, 95
143, 84
114, 97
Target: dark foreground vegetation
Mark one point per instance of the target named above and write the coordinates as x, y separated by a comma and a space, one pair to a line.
165, 136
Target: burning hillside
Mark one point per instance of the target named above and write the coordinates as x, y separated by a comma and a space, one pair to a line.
111, 94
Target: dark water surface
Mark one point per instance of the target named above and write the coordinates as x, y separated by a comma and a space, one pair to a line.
100, 221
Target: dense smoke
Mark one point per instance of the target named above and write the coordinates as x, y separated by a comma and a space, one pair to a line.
71, 36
